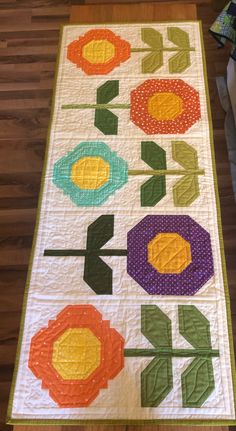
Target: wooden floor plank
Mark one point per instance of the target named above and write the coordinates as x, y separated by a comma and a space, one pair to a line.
139, 11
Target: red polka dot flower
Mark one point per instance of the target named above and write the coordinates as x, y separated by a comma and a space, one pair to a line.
157, 106
164, 106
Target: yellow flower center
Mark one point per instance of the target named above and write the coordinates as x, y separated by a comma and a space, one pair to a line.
169, 253
90, 173
76, 354
98, 51
165, 106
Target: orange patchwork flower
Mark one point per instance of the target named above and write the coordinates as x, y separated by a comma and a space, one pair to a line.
165, 106
98, 52
76, 355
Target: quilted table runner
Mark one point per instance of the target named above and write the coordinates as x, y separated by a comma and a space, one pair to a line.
126, 316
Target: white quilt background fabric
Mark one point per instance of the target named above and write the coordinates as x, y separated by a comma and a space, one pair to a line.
56, 282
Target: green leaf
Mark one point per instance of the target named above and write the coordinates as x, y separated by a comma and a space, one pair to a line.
186, 190
178, 37
152, 191
194, 326
106, 121
156, 326
153, 155
100, 232
184, 154
107, 91
156, 382
197, 382
152, 62
97, 274
152, 38
179, 62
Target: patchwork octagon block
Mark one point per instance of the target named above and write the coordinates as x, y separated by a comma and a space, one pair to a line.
162, 269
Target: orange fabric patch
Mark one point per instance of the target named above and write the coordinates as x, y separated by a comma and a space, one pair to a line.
98, 51
169, 253
76, 392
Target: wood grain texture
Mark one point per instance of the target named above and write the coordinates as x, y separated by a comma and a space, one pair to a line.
122, 428
132, 12
29, 34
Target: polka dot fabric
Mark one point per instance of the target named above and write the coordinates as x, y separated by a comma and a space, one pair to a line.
192, 278
181, 123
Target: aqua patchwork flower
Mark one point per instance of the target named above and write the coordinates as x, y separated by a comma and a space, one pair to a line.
90, 173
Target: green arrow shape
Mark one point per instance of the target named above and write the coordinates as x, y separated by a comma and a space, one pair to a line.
107, 91
156, 382
179, 37
100, 232
197, 382
152, 191
97, 274
152, 62
153, 155
179, 62
152, 38
194, 326
156, 326
184, 154
106, 121
186, 190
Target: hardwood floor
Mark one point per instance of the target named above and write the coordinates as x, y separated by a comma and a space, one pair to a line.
29, 33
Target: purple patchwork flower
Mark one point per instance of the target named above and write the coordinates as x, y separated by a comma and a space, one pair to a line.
169, 255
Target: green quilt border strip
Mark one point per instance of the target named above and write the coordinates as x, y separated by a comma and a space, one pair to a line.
13, 421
